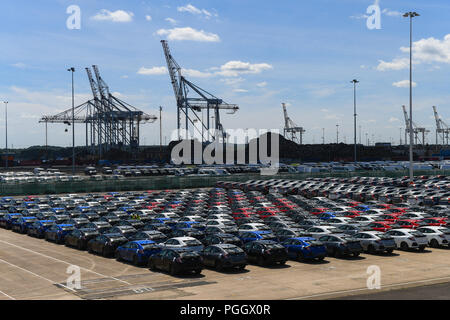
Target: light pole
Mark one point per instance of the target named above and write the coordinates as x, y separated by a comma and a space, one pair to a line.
354, 81
323, 135
6, 133
337, 134
160, 133
411, 174
72, 69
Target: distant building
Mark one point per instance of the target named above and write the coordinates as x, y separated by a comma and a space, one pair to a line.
383, 144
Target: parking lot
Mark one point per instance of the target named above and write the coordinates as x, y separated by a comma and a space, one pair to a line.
287, 240
36, 269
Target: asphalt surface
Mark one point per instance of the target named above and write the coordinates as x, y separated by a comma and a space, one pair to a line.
432, 292
33, 268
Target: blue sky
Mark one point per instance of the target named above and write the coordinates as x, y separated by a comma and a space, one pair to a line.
256, 54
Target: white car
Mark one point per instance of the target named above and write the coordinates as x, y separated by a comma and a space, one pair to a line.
408, 239
337, 221
436, 236
254, 227
187, 243
362, 220
318, 231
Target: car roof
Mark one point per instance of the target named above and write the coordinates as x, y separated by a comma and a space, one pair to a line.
144, 241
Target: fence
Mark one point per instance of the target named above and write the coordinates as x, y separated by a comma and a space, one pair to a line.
175, 182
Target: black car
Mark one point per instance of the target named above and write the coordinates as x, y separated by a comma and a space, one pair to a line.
153, 235
222, 256
110, 218
157, 227
59, 218
79, 238
37, 229
287, 233
138, 225
221, 229
340, 246
126, 231
219, 238
106, 244
176, 261
100, 226
77, 222
90, 215
188, 232
265, 252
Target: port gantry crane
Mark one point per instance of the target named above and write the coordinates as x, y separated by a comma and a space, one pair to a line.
188, 106
416, 129
442, 129
110, 122
291, 130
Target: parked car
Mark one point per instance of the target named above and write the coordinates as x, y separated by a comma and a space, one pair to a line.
137, 252
265, 252
79, 238
408, 239
375, 241
221, 256
305, 248
176, 261
339, 246
57, 232
106, 244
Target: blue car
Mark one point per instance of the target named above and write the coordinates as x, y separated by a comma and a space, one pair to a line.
326, 215
58, 232
248, 236
21, 225
38, 228
7, 220
137, 252
305, 248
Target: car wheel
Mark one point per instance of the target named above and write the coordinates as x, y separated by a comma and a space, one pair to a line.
104, 253
242, 267
390, 251
136, 261
337, 253
300, 256
282, 263
172, 270
117, 256
320, 258
197, 271
356, 254
90, 249
371, 249
219, 266
422, 248
151, 265
260, 261
80, 246
404, 246
434, 243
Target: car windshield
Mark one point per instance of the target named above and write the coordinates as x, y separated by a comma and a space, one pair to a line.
233, 250
149, 246
192, 242
273, 246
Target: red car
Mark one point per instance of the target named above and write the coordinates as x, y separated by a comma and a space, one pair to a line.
381, 226
437, 222
351, 213
316, 211
390, 217
408, 223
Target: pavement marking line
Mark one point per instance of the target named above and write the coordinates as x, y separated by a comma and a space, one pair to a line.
366, 289
7, 295
50, 257
36, 275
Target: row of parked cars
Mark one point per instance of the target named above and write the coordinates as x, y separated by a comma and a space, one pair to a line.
228, 226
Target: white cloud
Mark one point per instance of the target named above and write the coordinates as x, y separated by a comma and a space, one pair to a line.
171, 21
240, 90
403, 84
152, 71
148, 18
431, 50
196, 74
393, 119
396, 64
187, 33
19, 65
193, 10
391, 13
261, 84
114, 16
236, 68
124, 77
